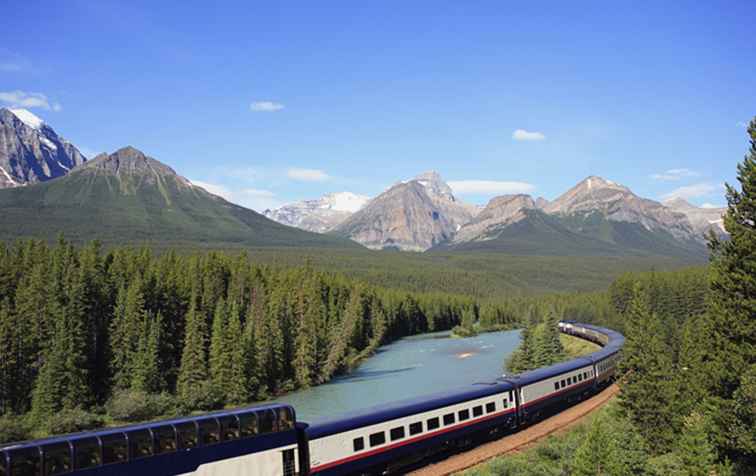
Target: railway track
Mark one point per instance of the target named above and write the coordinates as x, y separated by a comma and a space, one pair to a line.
519, 441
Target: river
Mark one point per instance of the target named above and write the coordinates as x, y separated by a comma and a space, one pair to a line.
407, 368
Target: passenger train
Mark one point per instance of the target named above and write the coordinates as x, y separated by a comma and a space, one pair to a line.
267, 440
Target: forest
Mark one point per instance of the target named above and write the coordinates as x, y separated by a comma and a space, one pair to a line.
89, 337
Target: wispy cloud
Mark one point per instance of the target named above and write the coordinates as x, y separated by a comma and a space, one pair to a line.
672, 175
711, 205
257, 199
307, 175
523, 135
266, 106
215, 189
489, 187
691, 191
28, 100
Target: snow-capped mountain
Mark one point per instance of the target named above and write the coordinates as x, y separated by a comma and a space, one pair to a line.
31, 151
319, 215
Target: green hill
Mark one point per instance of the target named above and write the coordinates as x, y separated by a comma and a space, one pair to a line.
127, 197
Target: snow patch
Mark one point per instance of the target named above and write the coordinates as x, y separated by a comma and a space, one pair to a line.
344, 201
28, 118
47, 142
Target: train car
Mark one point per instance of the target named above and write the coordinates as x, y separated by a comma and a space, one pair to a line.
254, 441
373, 439
544, 390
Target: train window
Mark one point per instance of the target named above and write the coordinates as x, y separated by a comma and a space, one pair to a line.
229, 428
358, 444
569, 380
556, 385
87, 453
187, 435
564, 383
504, 403
141, 443
266, 420
114, 449
248, 425
285, 419
464, 415
477, 411
416, 428
397, 433
449, 419
377, 439
209, 431
165, 439
511, 395
57, 459
433, 423
26, 462
490, 407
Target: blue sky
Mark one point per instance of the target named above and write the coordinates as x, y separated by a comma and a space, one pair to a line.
279, 101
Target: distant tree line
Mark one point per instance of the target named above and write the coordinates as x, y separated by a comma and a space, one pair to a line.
127, 334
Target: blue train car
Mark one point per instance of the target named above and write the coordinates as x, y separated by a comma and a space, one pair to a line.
262, 439
378, 436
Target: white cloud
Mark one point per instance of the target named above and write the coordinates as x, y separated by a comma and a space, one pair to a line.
257, 199
523, 135
307, 175
23, 99
489, 187
691, 191
215, 189
672, 175
711, 205
266, 106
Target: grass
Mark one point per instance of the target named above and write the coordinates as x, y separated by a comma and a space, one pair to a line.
551, 456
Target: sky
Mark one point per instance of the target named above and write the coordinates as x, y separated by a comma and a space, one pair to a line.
272, 102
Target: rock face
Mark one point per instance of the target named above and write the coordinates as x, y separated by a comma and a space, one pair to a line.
500, 212
617, 203
701, 219
31, 151
319, 215
411, 216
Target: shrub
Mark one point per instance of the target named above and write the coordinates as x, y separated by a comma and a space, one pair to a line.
135, 405
71, 421
13, 428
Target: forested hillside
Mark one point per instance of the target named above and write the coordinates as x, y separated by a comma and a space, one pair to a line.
144, 335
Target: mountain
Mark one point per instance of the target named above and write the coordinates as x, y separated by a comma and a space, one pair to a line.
128, 197
31, 151
594, 218
318, 215
701, 219
412, 216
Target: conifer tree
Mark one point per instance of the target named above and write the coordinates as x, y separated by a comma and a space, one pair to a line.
128, 319
11, 362
147, 376
220, 362
732, 306
193, 372
693, 448
590, 457
238, 390
647, 391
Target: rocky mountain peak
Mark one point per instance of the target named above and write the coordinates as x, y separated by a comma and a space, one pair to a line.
319, 215
701, 219
500, 211
31, 151
435, 185
130, 162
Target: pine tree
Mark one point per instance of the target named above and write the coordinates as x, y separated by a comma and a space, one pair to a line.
11, 361
590, 457
647, 391
128, 318
693, 448
220, 362
147, 376
733, 307
193, 372
306, 315
238, 390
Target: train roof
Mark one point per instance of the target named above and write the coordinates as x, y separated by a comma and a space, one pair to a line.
146, 425
542, 373
401, 408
